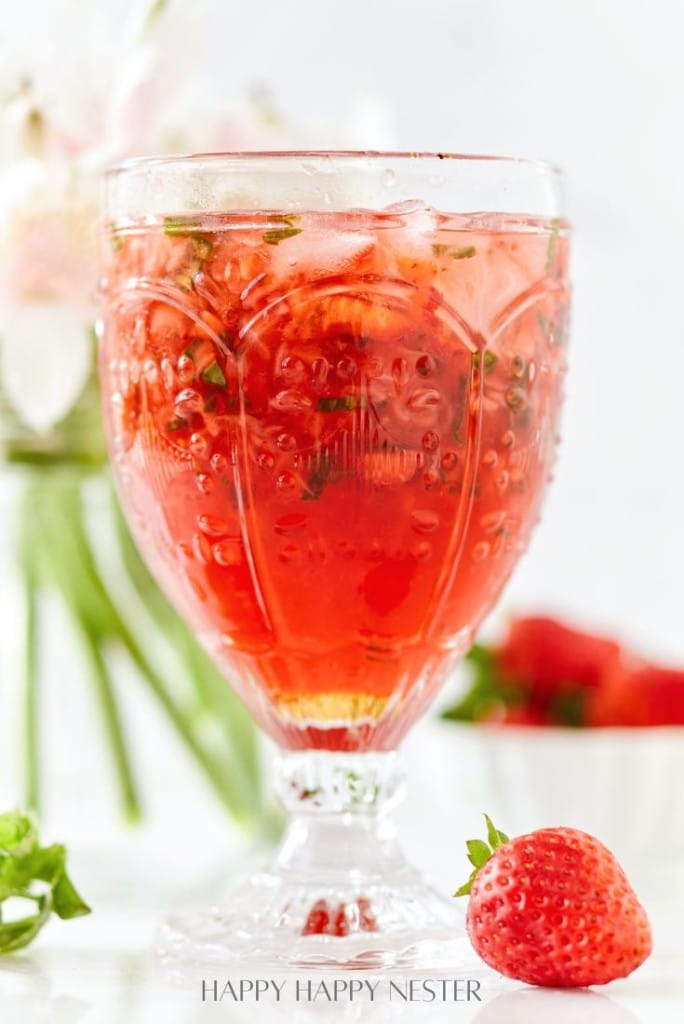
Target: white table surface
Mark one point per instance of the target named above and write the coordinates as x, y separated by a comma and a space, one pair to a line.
100, 970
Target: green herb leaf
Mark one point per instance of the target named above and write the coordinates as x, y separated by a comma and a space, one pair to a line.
214, 375
26, 869
280, 234
453, 252
338, 403
489, 360
177, 227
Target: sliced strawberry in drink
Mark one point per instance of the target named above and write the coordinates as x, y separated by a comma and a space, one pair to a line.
318, 919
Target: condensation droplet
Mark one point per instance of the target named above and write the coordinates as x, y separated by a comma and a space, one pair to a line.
219, 463
480, 551
150, 371
290, 553
286, 442
291, 400
507, 439
213, 526
424, 520
490, 459
518, 367
292, 261
201, 547
204, 483
227, 553
515, 399
449, 461
422, 551
431, 479
346, 369
292, 369
198, 444
286, 481
188, 401
424, 398
186, 369
492, 521
430, 441
265, 459
168, 373
501, 480
425, 365
290, 523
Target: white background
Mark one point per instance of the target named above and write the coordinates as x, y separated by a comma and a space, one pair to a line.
596, 86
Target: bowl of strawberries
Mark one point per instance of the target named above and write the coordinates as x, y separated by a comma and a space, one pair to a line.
561, 725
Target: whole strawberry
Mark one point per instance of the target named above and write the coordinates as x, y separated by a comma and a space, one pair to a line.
553, 908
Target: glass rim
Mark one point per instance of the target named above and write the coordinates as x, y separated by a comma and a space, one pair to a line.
343, 155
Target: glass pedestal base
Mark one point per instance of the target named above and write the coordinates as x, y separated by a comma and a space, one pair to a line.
339, 893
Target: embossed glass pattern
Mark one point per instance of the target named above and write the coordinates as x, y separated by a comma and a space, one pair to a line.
332, 385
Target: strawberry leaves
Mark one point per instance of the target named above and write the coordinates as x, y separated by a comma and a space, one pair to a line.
479, 853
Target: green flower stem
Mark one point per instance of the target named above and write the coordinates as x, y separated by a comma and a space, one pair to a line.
217, 700
113, 724
53, 549
98, 605
31, 695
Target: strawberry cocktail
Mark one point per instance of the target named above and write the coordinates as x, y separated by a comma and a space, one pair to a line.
332, 386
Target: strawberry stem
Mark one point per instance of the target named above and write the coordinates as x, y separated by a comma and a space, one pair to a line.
480, 851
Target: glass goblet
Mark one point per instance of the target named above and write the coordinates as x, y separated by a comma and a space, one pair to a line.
331, 385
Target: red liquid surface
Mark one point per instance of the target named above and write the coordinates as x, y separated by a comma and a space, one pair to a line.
331, 434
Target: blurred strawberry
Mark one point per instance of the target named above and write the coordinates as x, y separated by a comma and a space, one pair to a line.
547, 657
638, 694
541, 674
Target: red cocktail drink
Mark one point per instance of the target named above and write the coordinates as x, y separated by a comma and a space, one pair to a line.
331, 422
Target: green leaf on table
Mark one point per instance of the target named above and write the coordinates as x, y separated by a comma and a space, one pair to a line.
33, 874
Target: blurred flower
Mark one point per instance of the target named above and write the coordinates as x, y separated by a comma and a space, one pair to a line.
63, 120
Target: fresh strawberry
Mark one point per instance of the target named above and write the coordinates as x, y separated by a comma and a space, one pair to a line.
638, 694
553, 908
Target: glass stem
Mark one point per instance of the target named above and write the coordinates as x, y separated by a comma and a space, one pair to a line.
339, 829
